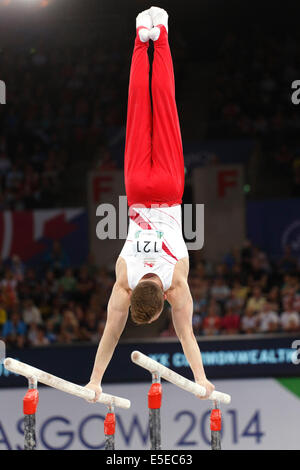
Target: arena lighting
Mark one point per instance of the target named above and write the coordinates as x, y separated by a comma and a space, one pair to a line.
39, 3
28, 2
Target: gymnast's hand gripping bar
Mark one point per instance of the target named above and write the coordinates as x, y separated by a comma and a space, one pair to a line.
63, 385
176, 379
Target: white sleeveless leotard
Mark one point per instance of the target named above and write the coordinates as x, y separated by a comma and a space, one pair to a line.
154, 244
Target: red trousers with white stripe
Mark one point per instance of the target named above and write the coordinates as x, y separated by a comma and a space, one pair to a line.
154, 166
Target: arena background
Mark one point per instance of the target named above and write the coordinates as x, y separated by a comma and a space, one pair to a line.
65, 65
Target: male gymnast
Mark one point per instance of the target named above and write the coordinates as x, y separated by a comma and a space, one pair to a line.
153, 264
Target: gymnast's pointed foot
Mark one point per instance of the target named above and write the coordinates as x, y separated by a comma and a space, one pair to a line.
144, 25
159, 17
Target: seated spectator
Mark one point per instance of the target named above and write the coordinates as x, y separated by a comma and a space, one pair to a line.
234, 302
30, 313
3, 315
197, 322
68, 281
13, 328
212, 322
50, 285
32, 332
256, 301
288, 263
290, 319
273, 297
8, 287
249, 322
31, 283
296, 299
231, 258
239, 291
220, 291
69, 328
257, 271
40, 339
56, 318
57, 260
197, 299
230, 323
221, 271
85, 286
50, 331
289, 282
268, 320
89, 327
17, 268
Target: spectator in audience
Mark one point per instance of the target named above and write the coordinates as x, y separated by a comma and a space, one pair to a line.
85, 286
288, 263
239, 291
212, 322
235, 302
68, 282
290, 319
17, 268
13, 328
32, 332
89, 327
220, 291
230, 323
249, 322
273, 297
41, 338
31, 314
3, 315
50, 285
56, 318
57, 260
50, 331
197, 323
268, 320
256, 301
69, 328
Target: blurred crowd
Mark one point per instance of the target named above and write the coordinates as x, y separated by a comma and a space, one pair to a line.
245, 293
56, 305
69, 113
65, 112
254, 100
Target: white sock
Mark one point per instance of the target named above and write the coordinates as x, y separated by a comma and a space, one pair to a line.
144, 34
159, 16
154, 33
144, 20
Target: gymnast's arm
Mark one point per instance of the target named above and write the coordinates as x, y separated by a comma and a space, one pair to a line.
117, 313
182, 311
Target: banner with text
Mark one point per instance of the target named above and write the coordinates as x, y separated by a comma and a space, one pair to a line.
263, 414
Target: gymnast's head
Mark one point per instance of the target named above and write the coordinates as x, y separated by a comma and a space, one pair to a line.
147, 300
